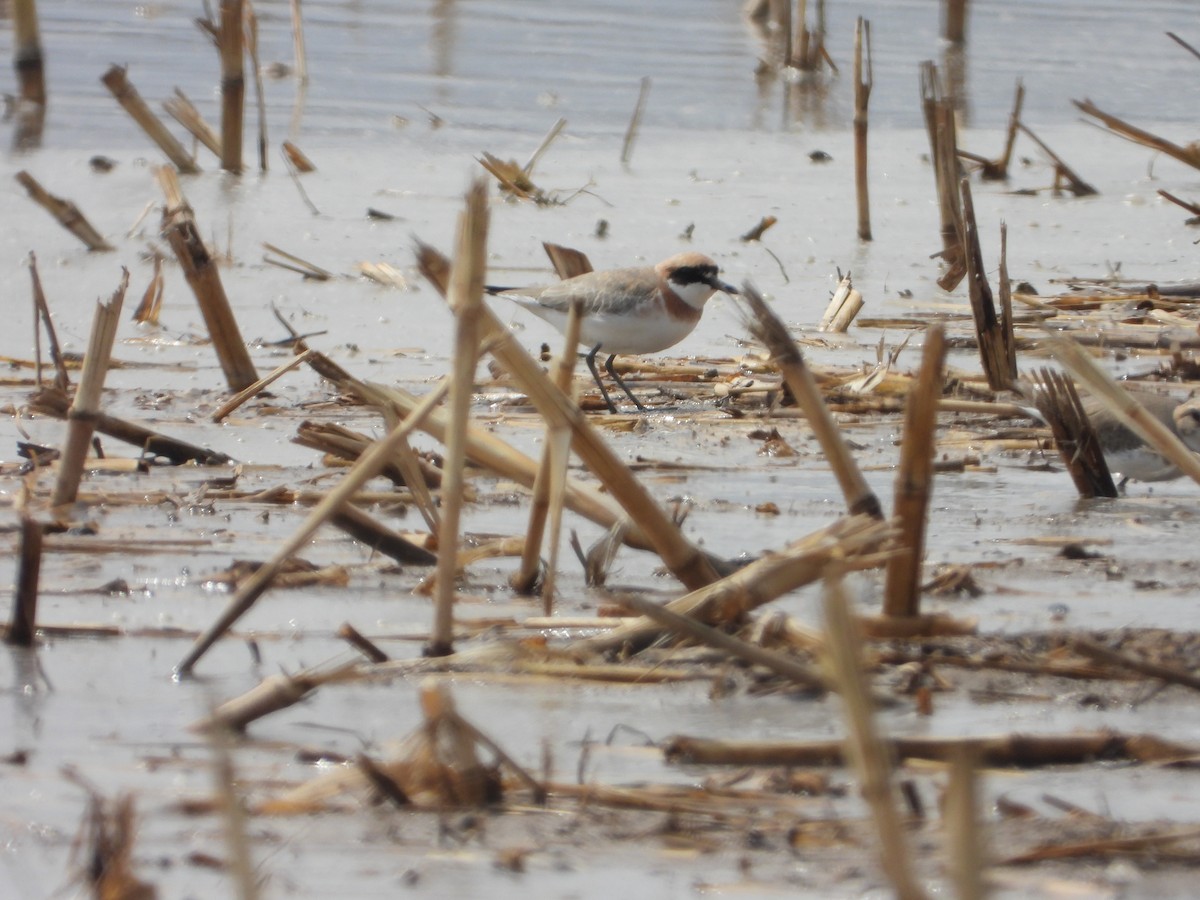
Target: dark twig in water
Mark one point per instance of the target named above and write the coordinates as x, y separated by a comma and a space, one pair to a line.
635, 121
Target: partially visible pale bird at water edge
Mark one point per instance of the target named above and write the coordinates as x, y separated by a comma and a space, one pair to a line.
636, 310
1127, 454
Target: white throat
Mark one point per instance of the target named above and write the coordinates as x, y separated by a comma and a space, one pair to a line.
695, 294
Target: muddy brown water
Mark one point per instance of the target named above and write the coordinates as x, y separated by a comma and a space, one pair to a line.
716, 152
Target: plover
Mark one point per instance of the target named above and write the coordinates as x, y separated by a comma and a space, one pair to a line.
636, 310
1127, 454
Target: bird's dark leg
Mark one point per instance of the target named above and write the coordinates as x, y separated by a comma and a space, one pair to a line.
591, 364
608, 366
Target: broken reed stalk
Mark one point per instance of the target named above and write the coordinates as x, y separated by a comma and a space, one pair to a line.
961, 829
23, 625
995, 333
914, 480
1189, 155
27, 53
1075, 184
635, 121
998, 170
126, 94
64, 211
200, 269
868, 755
559, 458
1169, 674
998, 751
298, 51
259, 386
379, 538
54, 402
843, 306
233, 815
686, 561
688, 626
361, 643
233, 84
549, 487
272, 694
1124, 407
769, 329
465, 295
862, 96
150, 307
1006, 308
42, 314
368, 466
855, 540
943, 152
954, 21
1074, 435
183, 111
81, 418
259, 95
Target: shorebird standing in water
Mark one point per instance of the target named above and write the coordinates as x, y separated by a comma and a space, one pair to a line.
636, 310
1127, 454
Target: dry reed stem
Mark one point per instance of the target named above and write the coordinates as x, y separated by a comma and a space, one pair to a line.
864, 748
1189, 155
298, 51
406, 470
54, 402
862, 95
259, 95
549, 487
558, 443
150, 307
367, 467
183, 234
943, 152
551, 135
465, 295
81, 418
635, 121
961, 826
489, 452
1009, 360
103, 849
1123, 405
993, 332
23, 625
129, 98
1074, 435
686, 561
42, 315
27, 53
854, 541
300, 162
182, 110
1193, 208
272, 694
688, 626
914, 480
259, 386
954, 21
230, 46
381, 539
295, 264
361, 643
65, 212
844, 306
998, 171
1075, 184
567, 262
233, 816
1169, 674
768, 328
1137, 846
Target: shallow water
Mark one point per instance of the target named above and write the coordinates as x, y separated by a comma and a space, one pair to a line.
717, 151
